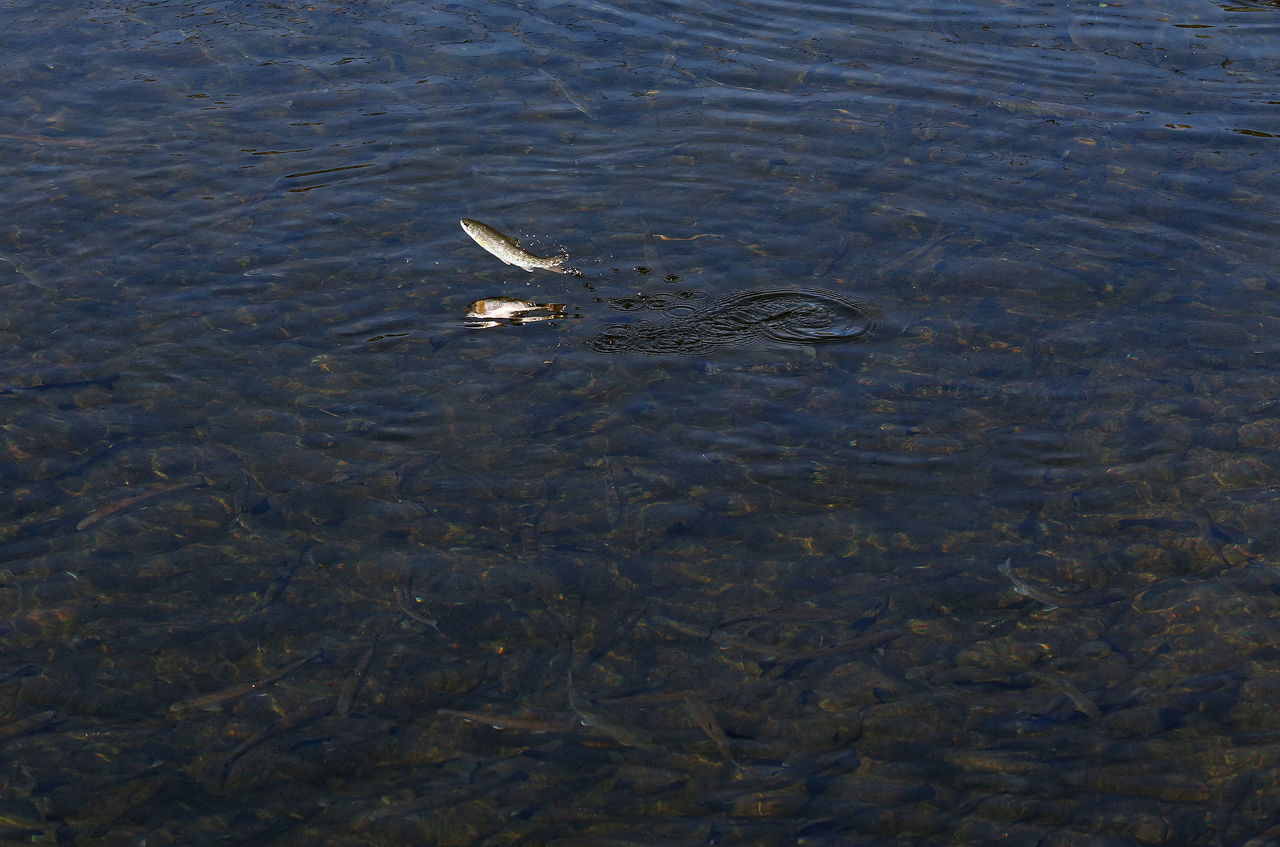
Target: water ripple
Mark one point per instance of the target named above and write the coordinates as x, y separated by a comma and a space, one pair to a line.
787, 316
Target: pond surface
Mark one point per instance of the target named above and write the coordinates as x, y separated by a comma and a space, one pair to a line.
899, 469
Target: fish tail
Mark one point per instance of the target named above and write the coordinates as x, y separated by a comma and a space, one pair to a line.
558, 265
562, 268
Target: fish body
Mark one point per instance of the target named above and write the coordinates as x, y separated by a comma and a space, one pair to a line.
120, 505
497, 311
500, 308
569, 94
509, 722
1077, 697
1054, 599
232, 692
29, 724
509, 250
705, 720
624, 735
107, 382
1050, 600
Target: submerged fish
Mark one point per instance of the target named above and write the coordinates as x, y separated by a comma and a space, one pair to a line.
624, 735
1054, 599
705, 719
575, 100
232, 692
110, 509
1065, 686
509, 250
107, 382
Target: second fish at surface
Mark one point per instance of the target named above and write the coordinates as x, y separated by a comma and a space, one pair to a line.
508, 311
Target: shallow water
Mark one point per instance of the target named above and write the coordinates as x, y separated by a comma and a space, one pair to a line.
293, 553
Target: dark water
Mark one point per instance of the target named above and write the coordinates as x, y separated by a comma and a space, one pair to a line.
290, 554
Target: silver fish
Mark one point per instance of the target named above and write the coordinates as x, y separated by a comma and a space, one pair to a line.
569, 94
1054, 599
508, 311
509, 250
1065, 686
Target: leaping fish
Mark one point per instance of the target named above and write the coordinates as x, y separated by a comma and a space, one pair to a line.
509, 250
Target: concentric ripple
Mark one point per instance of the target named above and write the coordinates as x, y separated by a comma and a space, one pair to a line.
787, 316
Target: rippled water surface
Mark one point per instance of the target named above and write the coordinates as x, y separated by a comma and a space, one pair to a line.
900, 469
